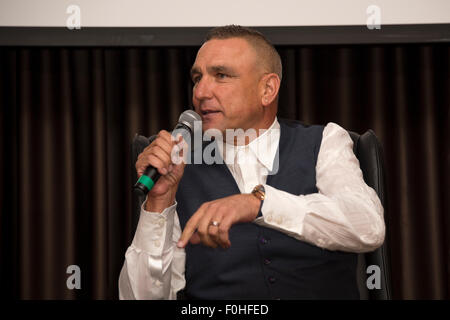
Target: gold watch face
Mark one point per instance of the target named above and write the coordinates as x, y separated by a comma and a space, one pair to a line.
258, 192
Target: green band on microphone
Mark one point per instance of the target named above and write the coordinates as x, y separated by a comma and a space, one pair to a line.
146, 181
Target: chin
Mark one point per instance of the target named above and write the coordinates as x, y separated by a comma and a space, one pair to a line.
207, 126
211, 125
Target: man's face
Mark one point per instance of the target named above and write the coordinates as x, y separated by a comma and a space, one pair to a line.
226, 77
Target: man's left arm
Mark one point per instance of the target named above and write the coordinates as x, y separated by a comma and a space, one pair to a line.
346, 214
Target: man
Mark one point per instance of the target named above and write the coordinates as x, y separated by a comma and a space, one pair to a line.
252, 229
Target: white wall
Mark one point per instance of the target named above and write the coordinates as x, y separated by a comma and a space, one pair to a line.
151, 13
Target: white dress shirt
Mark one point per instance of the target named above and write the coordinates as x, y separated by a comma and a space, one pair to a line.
344, 215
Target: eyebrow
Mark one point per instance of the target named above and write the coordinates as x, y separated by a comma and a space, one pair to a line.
221, 68
213, 69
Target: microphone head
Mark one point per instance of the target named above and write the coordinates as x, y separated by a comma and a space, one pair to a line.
188, 118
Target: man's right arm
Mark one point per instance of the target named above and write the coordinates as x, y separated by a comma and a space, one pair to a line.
154, 266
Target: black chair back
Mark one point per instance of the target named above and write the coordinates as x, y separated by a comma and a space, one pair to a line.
369, 152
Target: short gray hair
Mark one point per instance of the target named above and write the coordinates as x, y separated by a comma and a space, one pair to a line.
264, 49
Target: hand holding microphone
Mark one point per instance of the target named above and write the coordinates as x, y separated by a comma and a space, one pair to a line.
158, 175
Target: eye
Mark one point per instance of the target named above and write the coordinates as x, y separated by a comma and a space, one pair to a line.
221, 75
196, 79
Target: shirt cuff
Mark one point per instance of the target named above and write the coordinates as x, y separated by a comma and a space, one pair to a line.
154, 230
283, 211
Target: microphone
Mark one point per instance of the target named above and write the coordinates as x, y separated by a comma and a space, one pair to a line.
185, 127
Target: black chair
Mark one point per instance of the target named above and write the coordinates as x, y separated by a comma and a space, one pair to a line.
369, 153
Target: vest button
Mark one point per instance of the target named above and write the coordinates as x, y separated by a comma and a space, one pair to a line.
272, 279
263, 240
267, 261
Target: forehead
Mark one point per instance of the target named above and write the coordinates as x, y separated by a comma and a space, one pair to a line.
234, 51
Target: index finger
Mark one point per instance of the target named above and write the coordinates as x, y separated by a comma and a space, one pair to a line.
190, 227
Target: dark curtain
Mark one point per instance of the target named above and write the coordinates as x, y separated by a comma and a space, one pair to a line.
68, 116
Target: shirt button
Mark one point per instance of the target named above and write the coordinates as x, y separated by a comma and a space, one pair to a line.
161, 223
158, 283
157, 243
159, 233
267, 262
272, 279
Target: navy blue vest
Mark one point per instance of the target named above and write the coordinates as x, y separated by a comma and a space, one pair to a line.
263, 263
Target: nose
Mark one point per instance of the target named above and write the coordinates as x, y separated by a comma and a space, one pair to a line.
203, 89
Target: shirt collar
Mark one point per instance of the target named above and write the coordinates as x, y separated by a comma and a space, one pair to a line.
264, 147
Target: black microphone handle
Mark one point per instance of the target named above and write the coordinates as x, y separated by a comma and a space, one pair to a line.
147, 180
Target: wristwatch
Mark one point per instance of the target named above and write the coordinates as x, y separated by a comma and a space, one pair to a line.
259, 192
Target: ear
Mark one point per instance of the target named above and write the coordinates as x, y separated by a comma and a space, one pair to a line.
270, 85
